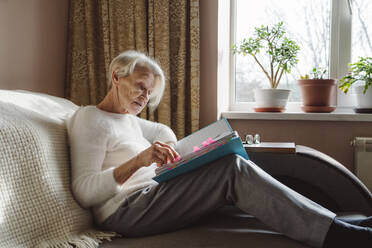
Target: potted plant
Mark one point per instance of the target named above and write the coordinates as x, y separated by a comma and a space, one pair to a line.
360, 73
317, 91
280, 54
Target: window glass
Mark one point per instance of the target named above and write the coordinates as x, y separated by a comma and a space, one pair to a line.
361, 29
307, 22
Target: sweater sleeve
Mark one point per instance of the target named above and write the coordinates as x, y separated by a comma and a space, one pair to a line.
153, 131
88, 140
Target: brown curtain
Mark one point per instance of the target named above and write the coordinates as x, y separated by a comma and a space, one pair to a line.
167, 30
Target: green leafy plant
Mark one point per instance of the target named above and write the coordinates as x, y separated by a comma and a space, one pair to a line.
316, 73
281, 51
358, 71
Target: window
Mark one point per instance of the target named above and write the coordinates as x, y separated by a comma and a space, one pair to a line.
322, 29
307, 22
361, 29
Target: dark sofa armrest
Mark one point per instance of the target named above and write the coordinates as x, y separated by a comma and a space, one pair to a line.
318, 177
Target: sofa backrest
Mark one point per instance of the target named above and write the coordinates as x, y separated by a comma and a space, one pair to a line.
37, 207
52, 107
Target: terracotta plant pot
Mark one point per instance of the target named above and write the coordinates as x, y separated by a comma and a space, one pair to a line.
316, 94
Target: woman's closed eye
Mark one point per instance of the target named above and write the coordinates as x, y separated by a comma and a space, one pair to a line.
143, 88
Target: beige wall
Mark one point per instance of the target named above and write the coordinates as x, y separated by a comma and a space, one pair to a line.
32, 57
208, 61
332, 138
32, 45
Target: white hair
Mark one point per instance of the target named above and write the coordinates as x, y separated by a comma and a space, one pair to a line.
125, 64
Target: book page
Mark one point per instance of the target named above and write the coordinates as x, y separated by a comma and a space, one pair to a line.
185, 145
202, 150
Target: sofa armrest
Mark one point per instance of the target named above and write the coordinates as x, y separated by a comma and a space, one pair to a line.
318, 177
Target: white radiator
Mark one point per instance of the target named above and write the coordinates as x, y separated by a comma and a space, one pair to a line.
363, 159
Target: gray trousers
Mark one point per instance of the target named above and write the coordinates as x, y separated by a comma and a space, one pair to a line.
179, 202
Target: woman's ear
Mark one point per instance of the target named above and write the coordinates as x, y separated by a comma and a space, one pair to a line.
114, 78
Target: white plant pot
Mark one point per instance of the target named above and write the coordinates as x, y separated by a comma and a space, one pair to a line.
363, 100
271, 98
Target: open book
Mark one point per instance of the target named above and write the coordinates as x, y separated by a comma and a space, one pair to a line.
202, 147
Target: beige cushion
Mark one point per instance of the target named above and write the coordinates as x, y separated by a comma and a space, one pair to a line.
37, 208
52, 107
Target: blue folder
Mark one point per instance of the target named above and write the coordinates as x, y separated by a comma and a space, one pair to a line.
235, 145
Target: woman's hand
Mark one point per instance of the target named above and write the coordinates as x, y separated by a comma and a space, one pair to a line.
159, 152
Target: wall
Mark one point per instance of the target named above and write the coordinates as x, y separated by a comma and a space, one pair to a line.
208, 61
332, 138
33, 35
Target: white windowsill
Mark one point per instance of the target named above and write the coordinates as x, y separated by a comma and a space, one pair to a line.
340, 114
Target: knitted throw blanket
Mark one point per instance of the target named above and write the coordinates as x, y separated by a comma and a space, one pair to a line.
37, 208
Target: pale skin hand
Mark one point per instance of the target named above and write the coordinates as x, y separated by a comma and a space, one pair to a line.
159, 153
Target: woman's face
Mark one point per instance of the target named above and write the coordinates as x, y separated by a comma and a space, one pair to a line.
134, 91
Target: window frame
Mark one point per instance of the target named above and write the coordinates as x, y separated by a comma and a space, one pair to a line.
340, 55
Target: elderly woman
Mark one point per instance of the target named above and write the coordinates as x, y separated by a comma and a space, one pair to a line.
115, 153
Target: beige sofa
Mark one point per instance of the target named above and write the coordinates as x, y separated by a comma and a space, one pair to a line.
37, 208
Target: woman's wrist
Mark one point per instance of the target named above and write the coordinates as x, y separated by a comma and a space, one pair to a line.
124, 171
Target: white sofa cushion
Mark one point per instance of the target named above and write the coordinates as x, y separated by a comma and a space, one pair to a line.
53, 107
37, 208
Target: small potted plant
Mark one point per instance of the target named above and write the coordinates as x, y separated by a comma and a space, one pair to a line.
360, 74
280, 54
317, 91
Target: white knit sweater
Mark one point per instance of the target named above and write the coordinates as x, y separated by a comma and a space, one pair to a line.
99, 142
